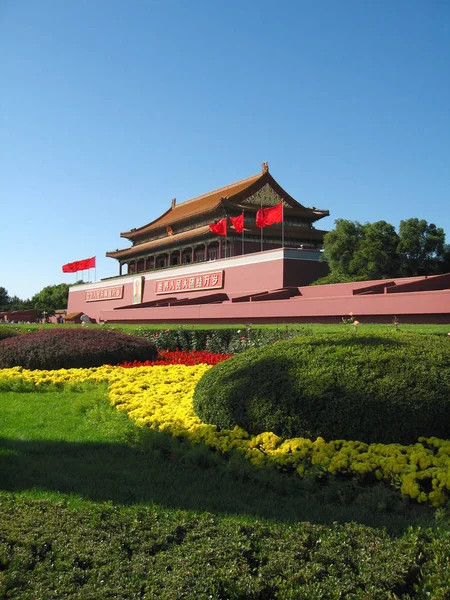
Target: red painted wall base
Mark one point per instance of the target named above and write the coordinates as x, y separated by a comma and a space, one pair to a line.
265, 287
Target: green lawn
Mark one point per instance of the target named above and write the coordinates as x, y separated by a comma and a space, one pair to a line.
309, 327
91, 506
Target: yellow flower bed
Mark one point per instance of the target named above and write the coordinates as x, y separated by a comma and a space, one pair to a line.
161, 397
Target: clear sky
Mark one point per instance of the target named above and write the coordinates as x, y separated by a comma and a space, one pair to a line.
111, 108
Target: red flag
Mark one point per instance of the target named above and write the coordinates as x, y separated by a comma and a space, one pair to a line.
220, 227
269, 216
238, 223
79, 265
260, 218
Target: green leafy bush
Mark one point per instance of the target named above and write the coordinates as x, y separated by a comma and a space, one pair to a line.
387, 388
8, 332
224, 341
73, 348
105, 551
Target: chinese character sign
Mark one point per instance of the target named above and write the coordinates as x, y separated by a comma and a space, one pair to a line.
108, 293
193, 283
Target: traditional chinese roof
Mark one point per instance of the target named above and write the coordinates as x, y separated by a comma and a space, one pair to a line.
185, 222
231, 195
192, 234
196, 235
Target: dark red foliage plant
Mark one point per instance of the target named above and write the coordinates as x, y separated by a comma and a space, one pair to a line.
74, 348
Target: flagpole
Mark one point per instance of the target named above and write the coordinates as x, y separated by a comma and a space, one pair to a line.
243, 224
261, 230
282, 224
226, 235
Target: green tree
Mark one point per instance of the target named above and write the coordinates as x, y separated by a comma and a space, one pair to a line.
445, 268
361, 252
15, 303
421, 248
378, 257
51, 298
341, 247
4, 299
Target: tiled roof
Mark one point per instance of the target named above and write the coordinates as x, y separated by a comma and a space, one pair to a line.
160, 243
197, 205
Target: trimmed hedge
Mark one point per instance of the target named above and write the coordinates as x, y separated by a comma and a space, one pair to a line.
73, 348
388, 388
8, 332
105, 551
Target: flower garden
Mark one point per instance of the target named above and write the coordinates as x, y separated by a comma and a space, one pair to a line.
158, 395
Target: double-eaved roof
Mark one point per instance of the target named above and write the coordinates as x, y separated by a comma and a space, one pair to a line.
248, 194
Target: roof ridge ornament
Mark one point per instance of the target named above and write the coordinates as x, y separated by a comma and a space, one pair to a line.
265, 167
173, 203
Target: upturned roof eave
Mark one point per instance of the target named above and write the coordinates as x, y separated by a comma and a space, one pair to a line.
165, 241
133, 233
245, 187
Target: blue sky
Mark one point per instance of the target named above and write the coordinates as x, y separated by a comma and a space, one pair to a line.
109, 109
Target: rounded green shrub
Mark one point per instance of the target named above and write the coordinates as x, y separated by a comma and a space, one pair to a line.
388, 388
8, 332
73, 348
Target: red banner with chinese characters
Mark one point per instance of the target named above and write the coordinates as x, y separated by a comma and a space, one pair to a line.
190, 283
79, 265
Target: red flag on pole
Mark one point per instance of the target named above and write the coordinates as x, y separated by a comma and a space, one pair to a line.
238, 223
79, 265
220, 227
260, 218
269, 216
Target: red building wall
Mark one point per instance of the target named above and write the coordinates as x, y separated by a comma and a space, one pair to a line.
245, 277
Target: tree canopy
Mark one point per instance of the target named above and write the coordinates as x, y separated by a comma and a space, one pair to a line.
422, 247
49, 299
376, 251
4, 299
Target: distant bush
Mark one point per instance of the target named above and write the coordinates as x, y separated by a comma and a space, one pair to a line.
8, 332
373, 388
222, 341
70, 348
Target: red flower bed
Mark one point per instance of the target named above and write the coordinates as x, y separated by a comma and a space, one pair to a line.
178, 357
